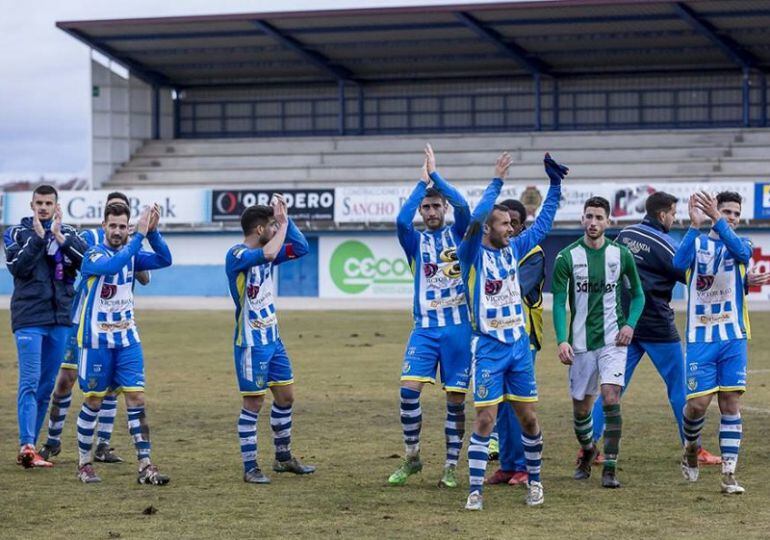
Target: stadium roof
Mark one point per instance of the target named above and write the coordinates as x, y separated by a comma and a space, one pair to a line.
550, 38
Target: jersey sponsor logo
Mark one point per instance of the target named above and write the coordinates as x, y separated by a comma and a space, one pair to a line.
493, 287
429, 269
117, 326
485, 375
594, 287
693, 366
108, 291
452, 271
704, 282
267, 322
714, 319
635, 246
451, 301
505, 322
252, 291
448, 255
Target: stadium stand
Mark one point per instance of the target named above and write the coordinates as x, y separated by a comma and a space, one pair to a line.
670, 155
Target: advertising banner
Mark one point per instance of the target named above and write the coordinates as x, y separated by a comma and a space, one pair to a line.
365, 266
762, 201
303, 204
87, 207
381, 204
760, 262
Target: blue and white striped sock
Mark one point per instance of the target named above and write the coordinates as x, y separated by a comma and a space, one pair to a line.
59, 409
86, 428
533, 453
692, 428
411, 420
247, 434
140, 433
478, 456
454, 431
106, 419
280, 422
730, 434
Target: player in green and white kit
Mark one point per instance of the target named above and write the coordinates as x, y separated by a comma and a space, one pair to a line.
591, 272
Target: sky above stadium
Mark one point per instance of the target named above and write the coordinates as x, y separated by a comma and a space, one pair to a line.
45, 90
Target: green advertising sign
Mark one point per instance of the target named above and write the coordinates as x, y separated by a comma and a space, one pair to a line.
354, 268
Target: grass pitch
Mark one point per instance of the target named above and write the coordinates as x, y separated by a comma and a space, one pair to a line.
346, 422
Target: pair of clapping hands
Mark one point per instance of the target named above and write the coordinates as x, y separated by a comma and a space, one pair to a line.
504, 162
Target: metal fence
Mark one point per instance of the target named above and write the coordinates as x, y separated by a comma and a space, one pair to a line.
663, 102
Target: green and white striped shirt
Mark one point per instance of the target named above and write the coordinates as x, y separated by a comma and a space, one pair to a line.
592, 278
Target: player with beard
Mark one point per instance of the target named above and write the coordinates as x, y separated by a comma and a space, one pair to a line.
440, 340
591, 273
270, 238
502, 362
717, 328
111, 355
507, 432
68, 375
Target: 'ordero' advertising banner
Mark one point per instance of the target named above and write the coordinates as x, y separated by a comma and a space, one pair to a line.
305, 204
381, 204
366, 266
87, 207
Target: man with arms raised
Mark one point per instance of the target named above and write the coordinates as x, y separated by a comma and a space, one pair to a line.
591, 273
270, 238
503, 368
440, 339
68, 374
717, 328
111, 356
513, 462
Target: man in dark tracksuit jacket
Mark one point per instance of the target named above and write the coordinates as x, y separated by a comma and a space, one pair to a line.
43, 255
656, 333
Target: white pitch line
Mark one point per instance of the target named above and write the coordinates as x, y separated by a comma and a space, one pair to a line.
752, 371
755, 409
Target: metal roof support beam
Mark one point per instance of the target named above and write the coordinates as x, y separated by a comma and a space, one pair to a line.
319, 60
508, 47
732, 49
149, 76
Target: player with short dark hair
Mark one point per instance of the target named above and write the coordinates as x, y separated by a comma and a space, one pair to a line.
43, 255
591, 272
440, 339
502, 362
655, 334
111, 356
62, 394
717, 327
507, 432
261, 361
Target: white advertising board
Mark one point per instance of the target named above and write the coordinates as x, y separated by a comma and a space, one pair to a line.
365, 266
87, 207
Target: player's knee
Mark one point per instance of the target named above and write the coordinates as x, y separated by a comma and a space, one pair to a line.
729, 402
66, 381
485, 421
135, 399
94, 402
455, 397
253, 403
413, 385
